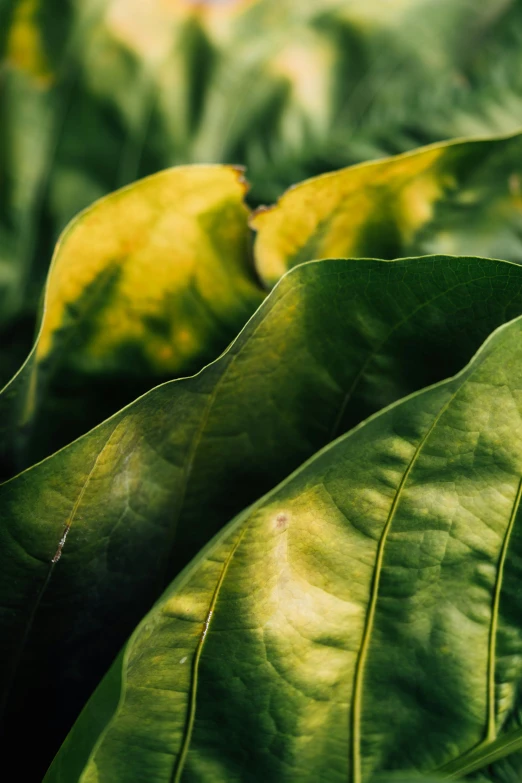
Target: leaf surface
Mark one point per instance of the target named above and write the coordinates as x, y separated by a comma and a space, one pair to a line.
457, 198
91, 535
357, 620
151, 282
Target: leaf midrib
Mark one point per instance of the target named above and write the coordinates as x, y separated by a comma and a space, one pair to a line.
181, 760
370, 617
478, 756
491, 728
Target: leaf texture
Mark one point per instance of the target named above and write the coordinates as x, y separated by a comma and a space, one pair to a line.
92, 534
365, 602
150, 283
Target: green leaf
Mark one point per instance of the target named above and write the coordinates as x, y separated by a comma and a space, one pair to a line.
151, 282
457, 198
91, 535
102, 92
124, 342
360, 618
31, 119
486, 754
408, 778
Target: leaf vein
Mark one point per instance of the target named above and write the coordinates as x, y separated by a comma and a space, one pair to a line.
178, 768
370, 617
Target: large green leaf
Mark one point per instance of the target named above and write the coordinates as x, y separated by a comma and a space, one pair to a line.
101, 92
167, 282
91, 535
362, 617
144, 307
459, 198
168, 279
149, 283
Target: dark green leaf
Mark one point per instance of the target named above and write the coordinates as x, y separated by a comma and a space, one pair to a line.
91, 535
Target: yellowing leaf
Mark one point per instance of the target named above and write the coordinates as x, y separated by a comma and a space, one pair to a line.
453, 198
150, 282
25, 48
172, 244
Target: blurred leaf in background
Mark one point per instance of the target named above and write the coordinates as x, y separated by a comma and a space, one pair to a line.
96, 93
154, 280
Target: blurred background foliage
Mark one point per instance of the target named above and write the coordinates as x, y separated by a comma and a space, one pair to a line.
97, 93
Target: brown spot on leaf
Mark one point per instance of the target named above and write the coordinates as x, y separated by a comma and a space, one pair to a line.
281, 520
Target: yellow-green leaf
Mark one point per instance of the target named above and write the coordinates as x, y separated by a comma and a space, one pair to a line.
151, 282
103, 92
456, 198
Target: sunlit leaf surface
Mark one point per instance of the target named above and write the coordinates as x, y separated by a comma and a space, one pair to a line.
360, 618
91, 535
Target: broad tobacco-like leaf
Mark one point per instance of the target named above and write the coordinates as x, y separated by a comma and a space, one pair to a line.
181, 243
154, 282
459, 198
91, 535
98, 93
151, 282
363, 617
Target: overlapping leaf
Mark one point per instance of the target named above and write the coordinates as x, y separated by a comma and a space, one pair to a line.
460, 198
91, 535
151, 282
360, 618
97, 93
156, 280
446, 198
